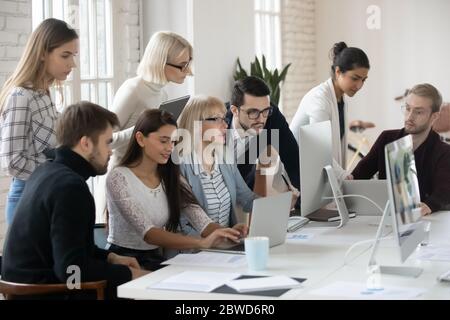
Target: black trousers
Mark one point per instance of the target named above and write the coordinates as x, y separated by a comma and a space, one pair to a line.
148, 259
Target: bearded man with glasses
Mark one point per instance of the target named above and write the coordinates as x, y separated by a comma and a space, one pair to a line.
432, 156
250, 111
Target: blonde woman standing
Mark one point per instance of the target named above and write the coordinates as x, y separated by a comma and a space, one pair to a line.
27, 112
167, 58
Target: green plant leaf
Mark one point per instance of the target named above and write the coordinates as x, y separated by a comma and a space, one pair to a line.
275, 97
284, 72
266, 71
272, 78
259, 72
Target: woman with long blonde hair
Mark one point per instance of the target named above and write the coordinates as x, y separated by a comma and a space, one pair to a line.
27, 113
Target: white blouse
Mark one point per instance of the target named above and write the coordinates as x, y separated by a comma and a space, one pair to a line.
135, 208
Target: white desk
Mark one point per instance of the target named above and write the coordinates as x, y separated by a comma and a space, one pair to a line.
320, 260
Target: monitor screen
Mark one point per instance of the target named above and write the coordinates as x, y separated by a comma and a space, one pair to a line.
404, 195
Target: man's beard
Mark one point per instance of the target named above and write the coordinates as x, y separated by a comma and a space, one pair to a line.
250, 130
99, 168
417, 130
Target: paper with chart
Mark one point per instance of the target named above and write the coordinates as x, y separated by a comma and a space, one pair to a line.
355, 290
434, 253
199, 281
263, 283
209, 259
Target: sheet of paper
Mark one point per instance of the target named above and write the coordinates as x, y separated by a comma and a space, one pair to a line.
354, 290
263, 283
299, 237
209, 259
195, 281
434, 253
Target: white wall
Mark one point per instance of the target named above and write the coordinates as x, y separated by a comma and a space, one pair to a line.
223, 31
411, 47
220, 31
171, 15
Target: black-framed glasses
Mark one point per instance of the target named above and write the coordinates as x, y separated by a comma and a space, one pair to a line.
254, 114
218, 120
182, 68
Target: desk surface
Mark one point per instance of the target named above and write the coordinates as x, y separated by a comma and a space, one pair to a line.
321, 261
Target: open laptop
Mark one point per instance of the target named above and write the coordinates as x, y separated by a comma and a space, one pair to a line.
174, 106
269, 219
375, 190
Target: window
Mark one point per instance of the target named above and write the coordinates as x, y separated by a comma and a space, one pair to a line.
267, 31
93, 79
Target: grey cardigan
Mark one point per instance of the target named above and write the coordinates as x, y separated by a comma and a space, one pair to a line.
238, 189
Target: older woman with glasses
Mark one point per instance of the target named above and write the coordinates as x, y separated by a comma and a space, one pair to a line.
217, 185
167, 58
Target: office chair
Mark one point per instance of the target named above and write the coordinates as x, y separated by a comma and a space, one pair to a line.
10, 290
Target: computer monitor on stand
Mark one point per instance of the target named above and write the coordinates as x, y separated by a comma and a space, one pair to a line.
318, 183
403, 207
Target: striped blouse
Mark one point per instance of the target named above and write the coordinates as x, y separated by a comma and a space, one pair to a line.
216, 192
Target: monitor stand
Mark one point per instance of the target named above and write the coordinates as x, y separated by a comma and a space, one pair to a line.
337, 195
393, 270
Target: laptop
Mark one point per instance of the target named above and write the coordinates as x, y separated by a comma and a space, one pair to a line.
269, 218
375, 190
174, 106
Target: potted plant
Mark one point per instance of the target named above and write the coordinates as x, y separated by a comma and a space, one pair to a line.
272, 78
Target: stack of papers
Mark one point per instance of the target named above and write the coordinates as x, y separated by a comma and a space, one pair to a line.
195, 281
209, 259
263, 283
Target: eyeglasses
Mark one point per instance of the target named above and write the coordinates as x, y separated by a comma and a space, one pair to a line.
182, 68
254, 114
407, 110
218, 120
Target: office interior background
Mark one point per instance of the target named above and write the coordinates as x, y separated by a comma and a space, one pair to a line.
404, 39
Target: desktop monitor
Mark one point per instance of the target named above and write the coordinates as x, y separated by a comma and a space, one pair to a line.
404, 195
315, 147
403, 207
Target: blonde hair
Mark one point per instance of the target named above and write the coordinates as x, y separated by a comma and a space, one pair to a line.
163, 47
197, 109
31, 69
426, 90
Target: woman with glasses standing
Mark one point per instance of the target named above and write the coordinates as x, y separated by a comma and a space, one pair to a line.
167, 58
216, 183
28, 114
326, 101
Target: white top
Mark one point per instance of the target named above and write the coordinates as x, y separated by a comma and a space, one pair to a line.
320, 104
133, 97
135, 208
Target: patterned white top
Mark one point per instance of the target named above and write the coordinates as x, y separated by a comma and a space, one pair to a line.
27, 129
135, 208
